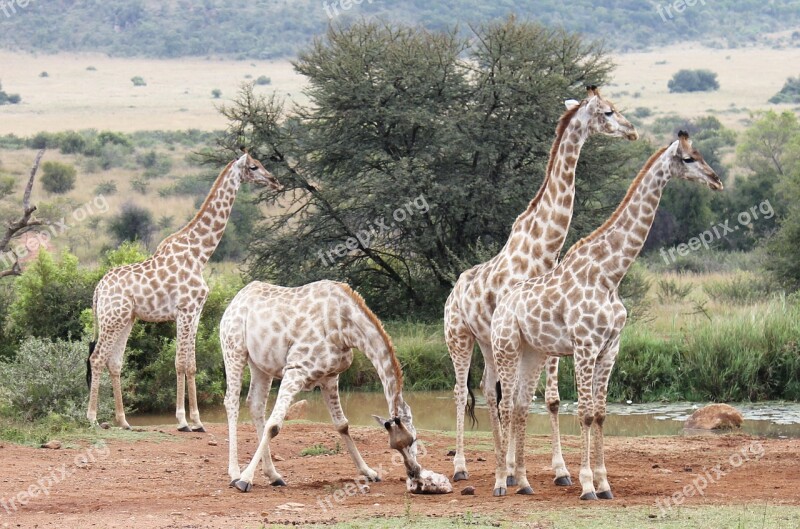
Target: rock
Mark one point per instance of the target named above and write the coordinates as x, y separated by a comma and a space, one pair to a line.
276, 457
291, 506
468, 491
105, 425
714, 417
481, 459
52, 445
429, 483
298, 410
212, 443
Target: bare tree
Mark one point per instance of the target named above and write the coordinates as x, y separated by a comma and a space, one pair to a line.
23, 224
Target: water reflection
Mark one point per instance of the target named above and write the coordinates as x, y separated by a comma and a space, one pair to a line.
434, 410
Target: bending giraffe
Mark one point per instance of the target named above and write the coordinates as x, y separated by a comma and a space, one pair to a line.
169, 286
532, 249
575, 309
305, 336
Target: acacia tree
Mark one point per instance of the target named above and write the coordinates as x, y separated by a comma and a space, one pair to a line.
401, 117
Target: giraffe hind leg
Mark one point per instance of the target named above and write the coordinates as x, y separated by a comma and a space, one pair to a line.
460, 343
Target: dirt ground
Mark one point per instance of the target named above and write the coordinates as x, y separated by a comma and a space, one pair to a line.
180, 480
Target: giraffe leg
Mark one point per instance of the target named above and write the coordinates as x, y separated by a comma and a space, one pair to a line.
293, 381
96, 362
187, 323
584, 375
529, 371
506, 363
114, 364
601, 376
553, 400
235, 357
330, 392
460, 342
257, 395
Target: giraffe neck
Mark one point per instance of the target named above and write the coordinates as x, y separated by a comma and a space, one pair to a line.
203, 233
619, 241
549, 214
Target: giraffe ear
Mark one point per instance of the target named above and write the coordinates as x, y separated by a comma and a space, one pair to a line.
386, 423
571, 103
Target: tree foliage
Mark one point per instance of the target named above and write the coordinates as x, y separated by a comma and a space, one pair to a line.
693, 81
133, 223
790, 93
58, 177
417, 147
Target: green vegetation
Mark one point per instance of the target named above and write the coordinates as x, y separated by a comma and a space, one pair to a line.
133, 223
263, 80
216, 93
790, 93
138, 81
320, 450
8, 99
58, 177
693, 81
158, 29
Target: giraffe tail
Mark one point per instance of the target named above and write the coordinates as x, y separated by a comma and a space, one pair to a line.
93, 343
89, 364
471, 403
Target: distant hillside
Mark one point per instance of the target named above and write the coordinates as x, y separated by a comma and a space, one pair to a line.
278, 28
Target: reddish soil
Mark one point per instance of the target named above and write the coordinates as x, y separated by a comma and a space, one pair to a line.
183, 482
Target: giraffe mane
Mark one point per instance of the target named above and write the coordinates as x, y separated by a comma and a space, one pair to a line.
622, 205
563, 122
214, 187
356, 297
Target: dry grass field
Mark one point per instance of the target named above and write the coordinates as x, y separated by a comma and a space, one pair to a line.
178, 92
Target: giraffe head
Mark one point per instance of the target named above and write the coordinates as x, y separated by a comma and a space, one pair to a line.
685, 162
403, 438
252, 171
601, 117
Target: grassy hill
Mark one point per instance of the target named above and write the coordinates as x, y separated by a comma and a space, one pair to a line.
265, 29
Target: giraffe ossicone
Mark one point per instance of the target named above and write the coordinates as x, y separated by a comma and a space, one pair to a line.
575, 310
168, 286
532, 249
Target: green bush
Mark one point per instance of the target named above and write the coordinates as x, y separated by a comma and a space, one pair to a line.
58, 177
263, 80
216, 93
8, 99
671, 291
138, 81
109, 187
743, 289
790, 93
693, 81
72, 143
131, 224
47, 378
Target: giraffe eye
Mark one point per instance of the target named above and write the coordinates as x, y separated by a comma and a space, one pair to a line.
689, 160
609, 113
253, 168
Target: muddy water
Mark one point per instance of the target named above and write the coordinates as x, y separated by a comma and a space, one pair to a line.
436, 411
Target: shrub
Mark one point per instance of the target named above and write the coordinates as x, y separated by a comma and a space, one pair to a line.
642, 112
48, 377
671, 291
216, 93
7, 185
138, 81
742, 289
263, 80
140, 185
693, 81
133, 223
109, 187
58, 177
72, 143
44, 74
91, 69
790, 93
8, 99
155, 164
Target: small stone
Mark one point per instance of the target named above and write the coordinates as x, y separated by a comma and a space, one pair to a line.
206, 460
105, 425
656, 465
212, 443
52, 445
468, 491
651, 515
687, 469
451, 453
481, 459
363, 488
264, 514
276, 457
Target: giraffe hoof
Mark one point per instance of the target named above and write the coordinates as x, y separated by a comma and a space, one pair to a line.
278, 483
184, 429
589, 496
461, 475
500, 491
511, 481
526, 491
199, 429
376, 479
605, 495
563, 481
243, 486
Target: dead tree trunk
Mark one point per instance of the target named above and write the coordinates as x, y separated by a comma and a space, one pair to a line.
22, 225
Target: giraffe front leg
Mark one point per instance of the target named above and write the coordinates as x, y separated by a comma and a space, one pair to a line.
185, 370
191, 370
114, 365
602, 373
553, 401
584, 376
293, 381
235, 360
95, 371
330, 392
257, 395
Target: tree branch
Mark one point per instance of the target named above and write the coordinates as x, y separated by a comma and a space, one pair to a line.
23, 223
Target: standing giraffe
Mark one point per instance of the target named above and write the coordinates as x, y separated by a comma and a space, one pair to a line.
169, 286
575, 309
305, 336
532, 249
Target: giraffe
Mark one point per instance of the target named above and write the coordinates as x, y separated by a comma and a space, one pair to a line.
169, 286
532, 249
305, 335
575, 309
